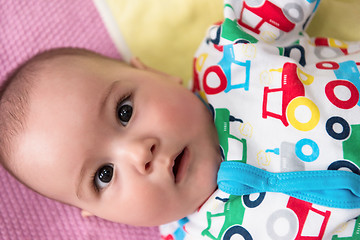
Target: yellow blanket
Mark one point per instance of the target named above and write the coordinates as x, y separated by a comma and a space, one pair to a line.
165, 33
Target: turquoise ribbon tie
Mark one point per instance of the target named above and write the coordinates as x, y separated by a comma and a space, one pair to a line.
331, 188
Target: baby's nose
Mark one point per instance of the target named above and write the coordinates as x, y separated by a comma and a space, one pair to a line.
142, 154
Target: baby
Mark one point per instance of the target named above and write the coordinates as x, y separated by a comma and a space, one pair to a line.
125, 143
130, 144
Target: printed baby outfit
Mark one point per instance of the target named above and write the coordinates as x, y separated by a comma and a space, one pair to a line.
287, 112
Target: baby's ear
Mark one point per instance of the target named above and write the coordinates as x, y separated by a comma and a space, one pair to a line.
85, 214
136, 63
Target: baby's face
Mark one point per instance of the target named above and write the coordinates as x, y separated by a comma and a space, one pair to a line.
126, 144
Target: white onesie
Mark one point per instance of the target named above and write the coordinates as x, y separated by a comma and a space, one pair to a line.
287, 111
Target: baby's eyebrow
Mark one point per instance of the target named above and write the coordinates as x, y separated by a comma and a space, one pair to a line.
105, 96
79, 183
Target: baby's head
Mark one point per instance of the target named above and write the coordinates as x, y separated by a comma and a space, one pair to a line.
123, 142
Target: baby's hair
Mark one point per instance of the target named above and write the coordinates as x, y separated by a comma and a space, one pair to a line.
15, 94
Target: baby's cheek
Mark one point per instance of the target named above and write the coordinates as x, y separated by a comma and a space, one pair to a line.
176, 117
155, 208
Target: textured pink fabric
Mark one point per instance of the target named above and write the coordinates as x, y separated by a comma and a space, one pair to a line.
27, 27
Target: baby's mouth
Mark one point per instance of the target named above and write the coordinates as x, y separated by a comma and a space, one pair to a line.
180, 165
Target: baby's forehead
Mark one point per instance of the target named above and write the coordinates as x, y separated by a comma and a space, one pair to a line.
66, 62
59, 71
41, 84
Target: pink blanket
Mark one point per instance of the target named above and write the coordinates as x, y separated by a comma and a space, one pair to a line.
27, 27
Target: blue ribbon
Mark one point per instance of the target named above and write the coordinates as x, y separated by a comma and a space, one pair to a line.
331, 188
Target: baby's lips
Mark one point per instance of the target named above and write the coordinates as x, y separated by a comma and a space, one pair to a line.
183, 163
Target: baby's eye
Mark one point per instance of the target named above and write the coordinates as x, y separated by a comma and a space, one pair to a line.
103, 176
124, 111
